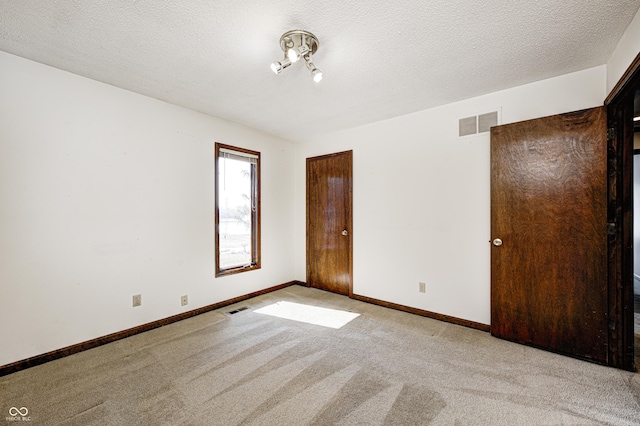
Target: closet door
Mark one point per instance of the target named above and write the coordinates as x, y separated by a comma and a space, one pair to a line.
549, 233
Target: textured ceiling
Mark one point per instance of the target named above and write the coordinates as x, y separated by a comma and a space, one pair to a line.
380, 58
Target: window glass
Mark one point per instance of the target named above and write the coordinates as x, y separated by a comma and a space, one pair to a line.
237, 210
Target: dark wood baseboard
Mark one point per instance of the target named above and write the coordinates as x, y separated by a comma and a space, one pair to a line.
89, 344
423, 313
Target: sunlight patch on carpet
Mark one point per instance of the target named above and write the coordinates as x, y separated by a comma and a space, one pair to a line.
325, 317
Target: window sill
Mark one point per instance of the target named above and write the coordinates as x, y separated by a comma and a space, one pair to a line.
237, 270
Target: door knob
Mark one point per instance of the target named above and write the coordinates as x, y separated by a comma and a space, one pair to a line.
497, 242
345, 232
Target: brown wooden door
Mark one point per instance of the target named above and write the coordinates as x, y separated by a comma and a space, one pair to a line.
329, 239
548, 207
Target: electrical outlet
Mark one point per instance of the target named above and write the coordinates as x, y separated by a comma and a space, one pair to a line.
184, 300
137, 300
422, 287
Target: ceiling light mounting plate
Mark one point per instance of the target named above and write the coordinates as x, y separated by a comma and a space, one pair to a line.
296, 38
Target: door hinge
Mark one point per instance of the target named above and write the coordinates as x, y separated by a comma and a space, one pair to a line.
611, 228
611, 134
612, 323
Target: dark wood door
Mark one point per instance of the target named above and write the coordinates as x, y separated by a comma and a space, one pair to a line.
329, 219
549, 209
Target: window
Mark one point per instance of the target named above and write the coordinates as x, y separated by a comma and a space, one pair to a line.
237, 209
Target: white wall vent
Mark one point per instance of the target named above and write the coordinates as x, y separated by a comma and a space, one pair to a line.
477, 124
468, 126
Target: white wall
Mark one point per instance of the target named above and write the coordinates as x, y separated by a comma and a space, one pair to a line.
626, 51
421, 196
104, 194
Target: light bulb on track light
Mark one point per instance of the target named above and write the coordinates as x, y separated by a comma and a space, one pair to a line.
295, 53
277, 67
316, 74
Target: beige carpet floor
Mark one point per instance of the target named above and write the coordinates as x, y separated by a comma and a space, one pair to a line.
382, 368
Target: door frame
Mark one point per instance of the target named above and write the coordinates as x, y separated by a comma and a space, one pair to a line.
619, 105
348, 153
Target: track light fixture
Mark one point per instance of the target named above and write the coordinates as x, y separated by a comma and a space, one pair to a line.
298, 44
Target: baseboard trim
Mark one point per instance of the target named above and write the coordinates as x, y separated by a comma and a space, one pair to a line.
93, 343
423, 313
